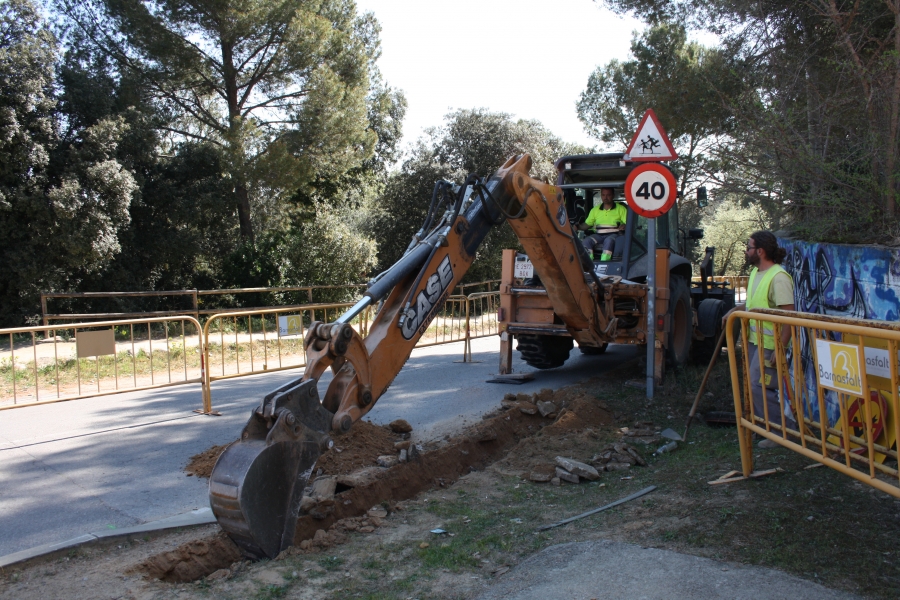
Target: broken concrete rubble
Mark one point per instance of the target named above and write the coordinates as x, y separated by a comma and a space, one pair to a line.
322, 509
387, 461
359, 478
306, 504
527, 408
566, 476
415, 452
616, 466
578, 468
547, 409
617, 457
323, 488
379, 512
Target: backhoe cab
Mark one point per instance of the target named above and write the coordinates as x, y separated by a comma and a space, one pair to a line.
684, 315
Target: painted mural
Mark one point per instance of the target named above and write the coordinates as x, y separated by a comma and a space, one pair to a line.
846, 281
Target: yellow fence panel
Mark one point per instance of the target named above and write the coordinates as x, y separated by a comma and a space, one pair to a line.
828, 392
44, 364
58, 362
449, 324
249, 342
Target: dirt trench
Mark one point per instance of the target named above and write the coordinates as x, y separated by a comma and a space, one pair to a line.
475, 448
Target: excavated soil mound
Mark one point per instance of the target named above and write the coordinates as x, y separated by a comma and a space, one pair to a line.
476, 448
201, 465
573, 434
193, 560
358, 448
538, 454
529, 441
579, 413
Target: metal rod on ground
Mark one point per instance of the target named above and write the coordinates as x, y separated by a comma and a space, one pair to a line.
635, 495
709, 369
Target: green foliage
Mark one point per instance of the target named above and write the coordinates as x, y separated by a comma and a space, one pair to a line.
815, 133
281, 88
125, 163
63, 202
329, 250
469, 141
727, 226
688, 86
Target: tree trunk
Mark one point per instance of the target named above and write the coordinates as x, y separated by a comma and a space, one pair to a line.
242, 195
890, 201
243, 206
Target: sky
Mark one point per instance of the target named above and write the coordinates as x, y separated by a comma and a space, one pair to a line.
528, 58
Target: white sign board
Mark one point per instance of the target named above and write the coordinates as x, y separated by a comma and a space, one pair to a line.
290, 325
878, 362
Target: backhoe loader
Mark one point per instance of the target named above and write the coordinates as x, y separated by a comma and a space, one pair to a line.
257, 484
688, 317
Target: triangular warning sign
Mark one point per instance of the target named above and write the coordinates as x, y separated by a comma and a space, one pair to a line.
650, 142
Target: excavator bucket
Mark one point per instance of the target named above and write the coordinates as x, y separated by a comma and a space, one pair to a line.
256, 485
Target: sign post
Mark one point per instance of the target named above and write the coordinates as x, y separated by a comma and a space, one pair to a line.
651, 191
651, 306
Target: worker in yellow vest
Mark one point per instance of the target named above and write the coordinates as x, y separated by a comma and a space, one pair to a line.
608, 221
769, 286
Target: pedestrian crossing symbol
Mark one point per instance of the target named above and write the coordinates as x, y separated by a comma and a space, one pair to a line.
650, 142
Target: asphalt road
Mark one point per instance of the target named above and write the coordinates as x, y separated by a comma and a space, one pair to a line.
116, 461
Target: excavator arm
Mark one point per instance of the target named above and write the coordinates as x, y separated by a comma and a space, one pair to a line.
257, 484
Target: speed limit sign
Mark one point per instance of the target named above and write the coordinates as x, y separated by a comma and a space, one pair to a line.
650, 190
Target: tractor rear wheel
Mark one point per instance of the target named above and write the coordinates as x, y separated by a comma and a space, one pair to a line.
544, 351
681, 320
709, 320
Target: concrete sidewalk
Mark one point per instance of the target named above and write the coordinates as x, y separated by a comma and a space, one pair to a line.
602, 570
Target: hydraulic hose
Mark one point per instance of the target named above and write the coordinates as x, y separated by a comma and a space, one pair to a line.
483, 189
460, 198
439, 186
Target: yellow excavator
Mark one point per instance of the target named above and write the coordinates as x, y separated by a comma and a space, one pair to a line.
258, 482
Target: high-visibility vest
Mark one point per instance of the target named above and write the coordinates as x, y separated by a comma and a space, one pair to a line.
760, 299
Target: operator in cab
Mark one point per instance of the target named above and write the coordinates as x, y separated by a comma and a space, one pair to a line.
608, 222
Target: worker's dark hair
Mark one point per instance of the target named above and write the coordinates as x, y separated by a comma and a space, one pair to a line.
768, 242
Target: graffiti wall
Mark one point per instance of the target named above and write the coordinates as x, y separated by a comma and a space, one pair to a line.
846, 281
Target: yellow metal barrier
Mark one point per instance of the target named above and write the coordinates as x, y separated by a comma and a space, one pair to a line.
60, 360
239, 343
449, 325
258, 341
45, 364
197, 299
481, 318
835, 394
195, 296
